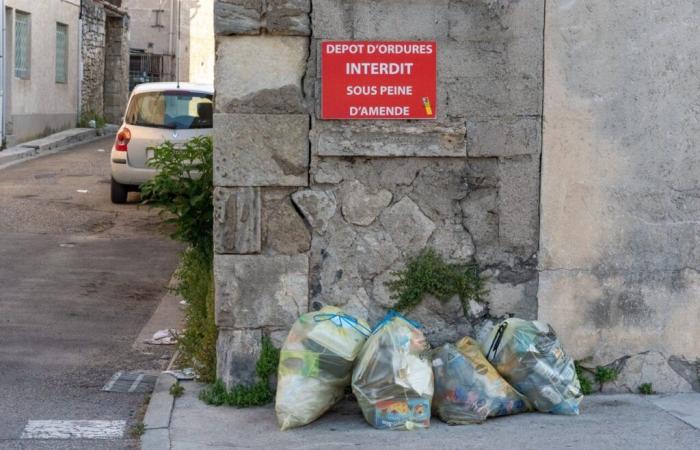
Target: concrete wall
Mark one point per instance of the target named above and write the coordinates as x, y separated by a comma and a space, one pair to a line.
196, 45
39, 106
619, 253
201, 41
312, 212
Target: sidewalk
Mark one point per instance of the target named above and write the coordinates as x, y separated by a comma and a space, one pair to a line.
606, 422
53, 143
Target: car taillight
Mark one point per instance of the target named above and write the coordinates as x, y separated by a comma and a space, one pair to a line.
123, 138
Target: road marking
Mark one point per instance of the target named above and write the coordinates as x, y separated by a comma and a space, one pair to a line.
136, 382
111, 382
74, 429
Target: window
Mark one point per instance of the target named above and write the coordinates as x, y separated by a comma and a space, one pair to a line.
22, 45
61, 53
179, 110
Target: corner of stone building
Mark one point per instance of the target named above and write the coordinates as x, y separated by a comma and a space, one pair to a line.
261, 157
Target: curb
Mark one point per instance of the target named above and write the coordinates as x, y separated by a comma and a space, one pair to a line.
157, 419
51, 144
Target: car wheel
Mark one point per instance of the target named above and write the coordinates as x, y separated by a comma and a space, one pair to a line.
119, 192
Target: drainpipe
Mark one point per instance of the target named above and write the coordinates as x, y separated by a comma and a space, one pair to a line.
171, 36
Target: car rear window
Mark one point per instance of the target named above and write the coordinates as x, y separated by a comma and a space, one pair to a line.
180, 110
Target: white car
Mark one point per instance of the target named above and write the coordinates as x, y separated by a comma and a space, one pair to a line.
157, 112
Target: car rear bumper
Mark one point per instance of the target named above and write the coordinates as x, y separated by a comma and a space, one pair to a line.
123, 173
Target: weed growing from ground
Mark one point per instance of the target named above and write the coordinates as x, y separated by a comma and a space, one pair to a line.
605, 374
586, 387
176, 390
646, 389
243, 396
137, 430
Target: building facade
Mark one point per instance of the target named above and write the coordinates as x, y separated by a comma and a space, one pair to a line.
171, 38
60, 60
562, 162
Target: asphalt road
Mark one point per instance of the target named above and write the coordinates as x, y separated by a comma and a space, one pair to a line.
79, 277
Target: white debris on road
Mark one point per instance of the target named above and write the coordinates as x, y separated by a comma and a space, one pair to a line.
163, 337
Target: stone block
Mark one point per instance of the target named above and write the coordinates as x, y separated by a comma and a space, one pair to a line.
237, 16
254, 291
318, 207
480, 217
647, 367
409, 228
504, 136
453, 243
518, 203
237, 220
389, 139
260, 74
288, 17
485, 97
237, 353
495, 20
438, 188
283, 228
400, 19
261, 149
471, 59
361, 207
332, 19
512, 300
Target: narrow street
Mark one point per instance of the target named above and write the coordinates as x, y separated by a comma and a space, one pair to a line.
79, 278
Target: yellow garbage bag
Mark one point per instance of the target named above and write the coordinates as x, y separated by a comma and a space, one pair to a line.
530, 357
468, 389
316, 364
393, 380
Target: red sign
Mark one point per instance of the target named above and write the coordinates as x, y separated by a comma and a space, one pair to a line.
378, 79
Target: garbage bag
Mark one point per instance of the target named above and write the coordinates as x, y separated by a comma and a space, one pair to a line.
530, 357
316, 364
392, 379
468, 389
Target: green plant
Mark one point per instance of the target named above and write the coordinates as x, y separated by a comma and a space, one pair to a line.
87, 116
137, 430
584, 381
183, 190
176, 390
197, 342
257, 394
646, 389
605, 374
428, 273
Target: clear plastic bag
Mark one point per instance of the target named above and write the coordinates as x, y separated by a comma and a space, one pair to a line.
393, 380
316, 364
530, 357
468, 389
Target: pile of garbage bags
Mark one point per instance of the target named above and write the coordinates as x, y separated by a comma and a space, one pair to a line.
399, 382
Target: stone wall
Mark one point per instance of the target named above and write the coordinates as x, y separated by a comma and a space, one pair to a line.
311, 212
620, 260
116, 81
93, 58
